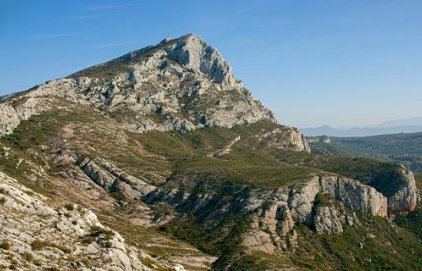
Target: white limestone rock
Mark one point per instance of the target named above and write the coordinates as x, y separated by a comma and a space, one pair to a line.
327, 219
284, 137
407, 197
61, 234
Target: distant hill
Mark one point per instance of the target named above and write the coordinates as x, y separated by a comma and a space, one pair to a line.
403, 122
405, 148
391, 127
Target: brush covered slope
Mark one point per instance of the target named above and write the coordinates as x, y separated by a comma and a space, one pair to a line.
401, 148
185, 170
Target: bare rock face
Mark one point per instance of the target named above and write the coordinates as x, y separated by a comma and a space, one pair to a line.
10, 119
407, 197
351, 193
355, 195
35, 236
278, 212
196, 55
22, 108
300, 200
284, 137
327, 219
113, 179
184, 82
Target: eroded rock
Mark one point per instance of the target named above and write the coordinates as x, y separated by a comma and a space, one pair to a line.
39, 236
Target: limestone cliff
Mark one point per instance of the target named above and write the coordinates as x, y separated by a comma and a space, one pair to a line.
275, 213
404, 199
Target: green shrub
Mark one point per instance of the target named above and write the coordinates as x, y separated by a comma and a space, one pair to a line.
28, 256
104, 236
99, 231
85, 261
5, 245
322, 199
29, 192
148, 262
38, 244
61, 247
69, 207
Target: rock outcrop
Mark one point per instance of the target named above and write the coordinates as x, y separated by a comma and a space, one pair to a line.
35, 236
406, 198
21, 108
284, 137
275, 213
329, 219
319, 139
112, 179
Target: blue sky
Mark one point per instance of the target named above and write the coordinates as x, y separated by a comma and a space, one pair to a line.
336, 62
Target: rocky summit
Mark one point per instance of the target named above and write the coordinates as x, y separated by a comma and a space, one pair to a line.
162, 160
177, 85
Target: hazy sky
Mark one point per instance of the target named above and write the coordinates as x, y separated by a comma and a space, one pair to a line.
342, 63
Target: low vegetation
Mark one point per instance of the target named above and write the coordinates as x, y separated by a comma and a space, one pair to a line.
5, 245
376, 244
384, 176
221, 239
101, 235
69, 207
322, 199
38, 244
28, 256
403, 148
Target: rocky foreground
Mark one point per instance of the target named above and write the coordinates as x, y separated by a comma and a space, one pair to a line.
36, 236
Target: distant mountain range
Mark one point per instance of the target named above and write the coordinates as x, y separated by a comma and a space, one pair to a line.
411, 125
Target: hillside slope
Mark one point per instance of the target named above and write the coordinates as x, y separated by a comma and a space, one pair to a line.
170, 151
402, 148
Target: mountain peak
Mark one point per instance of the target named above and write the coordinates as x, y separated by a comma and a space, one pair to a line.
178, 84
189, 52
